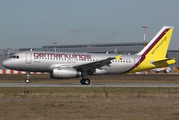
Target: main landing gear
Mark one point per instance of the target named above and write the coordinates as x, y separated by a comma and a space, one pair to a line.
85, 81
28, 76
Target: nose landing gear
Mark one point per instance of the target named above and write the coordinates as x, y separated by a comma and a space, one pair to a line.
28, 76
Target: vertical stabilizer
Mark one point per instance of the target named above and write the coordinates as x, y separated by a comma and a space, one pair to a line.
158, 46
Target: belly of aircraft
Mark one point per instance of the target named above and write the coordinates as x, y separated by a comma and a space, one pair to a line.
117, 68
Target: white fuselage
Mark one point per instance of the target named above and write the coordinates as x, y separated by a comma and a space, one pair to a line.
38, 61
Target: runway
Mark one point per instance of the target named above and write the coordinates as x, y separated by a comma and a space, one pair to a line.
91, 85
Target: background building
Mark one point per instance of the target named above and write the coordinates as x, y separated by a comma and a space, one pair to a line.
118, 48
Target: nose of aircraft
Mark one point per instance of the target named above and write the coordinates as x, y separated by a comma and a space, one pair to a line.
5, 63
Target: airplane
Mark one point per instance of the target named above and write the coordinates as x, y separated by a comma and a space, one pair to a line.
162, 70
65, 65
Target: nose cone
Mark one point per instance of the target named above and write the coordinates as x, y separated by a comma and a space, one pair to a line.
6, 63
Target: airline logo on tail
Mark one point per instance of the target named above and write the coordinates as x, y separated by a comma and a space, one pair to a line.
158, 46
153, 55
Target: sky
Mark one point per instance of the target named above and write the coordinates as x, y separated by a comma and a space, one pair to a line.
34, 23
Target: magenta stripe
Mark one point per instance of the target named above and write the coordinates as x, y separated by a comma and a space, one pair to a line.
155, 42
147, 51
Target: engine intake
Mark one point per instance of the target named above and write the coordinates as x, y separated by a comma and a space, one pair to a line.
64, 73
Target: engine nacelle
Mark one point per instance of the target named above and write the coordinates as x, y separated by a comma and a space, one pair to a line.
64, 73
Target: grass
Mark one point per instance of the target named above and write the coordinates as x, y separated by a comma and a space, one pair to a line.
89, 103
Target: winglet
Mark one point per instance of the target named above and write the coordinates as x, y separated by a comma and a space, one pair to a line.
118, 57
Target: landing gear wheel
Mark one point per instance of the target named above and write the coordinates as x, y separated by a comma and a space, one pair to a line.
85, 81
27, 81
28, 76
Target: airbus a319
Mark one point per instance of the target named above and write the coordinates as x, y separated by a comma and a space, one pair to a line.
64, 65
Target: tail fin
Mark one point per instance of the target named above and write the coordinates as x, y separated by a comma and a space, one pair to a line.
158, 46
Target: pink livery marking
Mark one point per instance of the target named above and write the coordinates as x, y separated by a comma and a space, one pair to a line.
56, 55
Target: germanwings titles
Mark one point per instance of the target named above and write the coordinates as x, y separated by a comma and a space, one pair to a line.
57, 55
65, 65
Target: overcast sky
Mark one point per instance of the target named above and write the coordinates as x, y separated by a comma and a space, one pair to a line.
34, 23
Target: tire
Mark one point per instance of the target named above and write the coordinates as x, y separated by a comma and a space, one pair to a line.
82, 81
87, 82
27, 81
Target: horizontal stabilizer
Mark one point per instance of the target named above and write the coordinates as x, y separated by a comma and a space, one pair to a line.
163, 60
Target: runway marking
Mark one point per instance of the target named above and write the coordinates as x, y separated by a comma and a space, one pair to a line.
91, 85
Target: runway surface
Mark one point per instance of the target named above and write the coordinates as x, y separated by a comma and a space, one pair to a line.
91, 85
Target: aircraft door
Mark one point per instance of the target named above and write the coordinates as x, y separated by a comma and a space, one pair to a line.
28, 57
137, 62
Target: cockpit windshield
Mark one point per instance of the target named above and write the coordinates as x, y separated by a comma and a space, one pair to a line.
15, 56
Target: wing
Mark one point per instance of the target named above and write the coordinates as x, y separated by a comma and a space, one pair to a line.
90, 67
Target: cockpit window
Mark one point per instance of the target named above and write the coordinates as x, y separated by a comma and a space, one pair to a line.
12, 56
15, 56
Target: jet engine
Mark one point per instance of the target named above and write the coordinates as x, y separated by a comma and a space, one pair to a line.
64, 73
